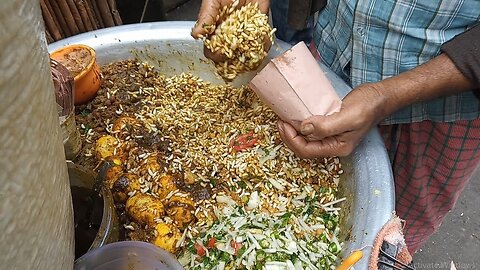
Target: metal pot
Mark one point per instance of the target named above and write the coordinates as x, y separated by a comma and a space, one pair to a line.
108, 231
367, 181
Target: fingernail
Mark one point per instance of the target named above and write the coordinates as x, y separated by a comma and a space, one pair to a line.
307, 129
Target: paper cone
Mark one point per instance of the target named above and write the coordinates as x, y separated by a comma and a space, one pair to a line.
295, 88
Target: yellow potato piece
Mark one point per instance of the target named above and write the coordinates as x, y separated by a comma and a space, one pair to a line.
144, 209
167, 236
166, 184
181, 210
151, 166
105, 147
124, 184
113, 173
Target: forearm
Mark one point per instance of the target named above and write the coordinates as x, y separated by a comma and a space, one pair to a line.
437, 77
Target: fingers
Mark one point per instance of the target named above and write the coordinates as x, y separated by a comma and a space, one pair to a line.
267, 43
327, 147
214, 56
263, 5
206, 18
320, 127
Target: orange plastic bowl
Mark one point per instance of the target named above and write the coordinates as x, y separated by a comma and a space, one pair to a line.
80, 60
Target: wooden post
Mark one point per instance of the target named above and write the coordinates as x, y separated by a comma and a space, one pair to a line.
115, 14
96, 10
76, 15
67, 14
83, 14
91, 16
49, 21
60, 17
55, 18
105, 12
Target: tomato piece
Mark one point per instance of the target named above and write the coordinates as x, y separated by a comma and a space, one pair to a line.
211, 243
200, 249
244, 142
235, 245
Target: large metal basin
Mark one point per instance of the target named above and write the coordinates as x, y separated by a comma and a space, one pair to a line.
367, 182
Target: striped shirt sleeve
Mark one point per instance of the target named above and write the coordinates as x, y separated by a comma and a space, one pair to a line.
464, 50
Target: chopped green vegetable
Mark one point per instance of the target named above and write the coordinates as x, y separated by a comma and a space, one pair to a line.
264, 243
242, 184
239, 234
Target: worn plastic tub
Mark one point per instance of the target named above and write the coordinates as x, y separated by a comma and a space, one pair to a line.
127, 255
367, 181
88, 79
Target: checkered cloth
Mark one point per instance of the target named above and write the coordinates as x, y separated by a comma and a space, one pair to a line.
432, 163
370, 40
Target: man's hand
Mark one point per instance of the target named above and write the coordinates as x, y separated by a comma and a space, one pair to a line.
337, 134
206, 23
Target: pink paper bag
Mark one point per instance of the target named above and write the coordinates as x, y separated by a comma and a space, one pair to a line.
295, 88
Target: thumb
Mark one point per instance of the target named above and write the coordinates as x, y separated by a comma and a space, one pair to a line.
319, 127
207, 15
264, 6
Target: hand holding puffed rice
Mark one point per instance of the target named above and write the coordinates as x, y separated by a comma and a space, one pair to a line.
210, 13
236, 34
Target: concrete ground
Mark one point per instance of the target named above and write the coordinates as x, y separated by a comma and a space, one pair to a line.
458, 239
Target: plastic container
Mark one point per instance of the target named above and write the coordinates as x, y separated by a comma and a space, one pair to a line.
64, 91
81, 61
128, 255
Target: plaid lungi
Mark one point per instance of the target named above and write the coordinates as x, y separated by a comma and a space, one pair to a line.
432, 162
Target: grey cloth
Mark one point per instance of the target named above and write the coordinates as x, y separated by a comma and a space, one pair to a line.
300, 10
279, 9
464, 50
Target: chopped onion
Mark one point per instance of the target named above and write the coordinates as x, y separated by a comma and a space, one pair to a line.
276, 184
254, 201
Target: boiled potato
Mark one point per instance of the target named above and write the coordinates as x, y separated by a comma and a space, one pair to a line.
180, 210
167, 236
124, 184
113, 173
166, 184
144, 209
150, 164
105, 147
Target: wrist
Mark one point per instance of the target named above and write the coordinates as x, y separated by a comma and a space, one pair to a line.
379, 100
